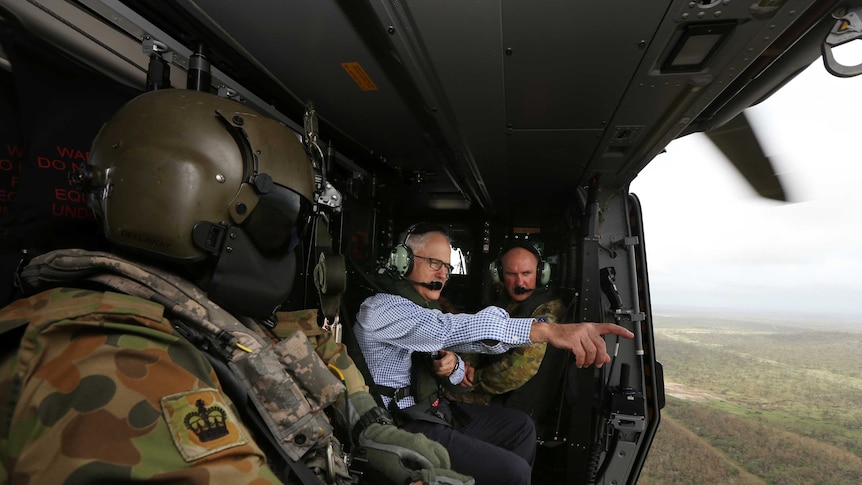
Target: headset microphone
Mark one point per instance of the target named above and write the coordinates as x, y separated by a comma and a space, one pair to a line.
520, 290
432, 285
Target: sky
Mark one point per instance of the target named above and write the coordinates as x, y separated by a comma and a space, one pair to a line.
713, 244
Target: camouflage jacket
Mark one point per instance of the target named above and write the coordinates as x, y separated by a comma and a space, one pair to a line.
499, 374
104, 389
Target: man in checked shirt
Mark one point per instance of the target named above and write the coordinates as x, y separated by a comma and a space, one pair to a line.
494, 445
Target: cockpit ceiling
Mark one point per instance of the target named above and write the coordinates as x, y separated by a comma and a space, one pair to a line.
474, 102
506, 86
519, 93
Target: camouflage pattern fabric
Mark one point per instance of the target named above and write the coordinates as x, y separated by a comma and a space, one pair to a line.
276, 374
349, 406
269, 372
103, 390
499, 374
332, 353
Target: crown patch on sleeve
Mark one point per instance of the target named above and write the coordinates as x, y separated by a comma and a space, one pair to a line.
201, 423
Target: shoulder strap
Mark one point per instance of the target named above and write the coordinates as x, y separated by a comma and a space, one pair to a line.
239, 394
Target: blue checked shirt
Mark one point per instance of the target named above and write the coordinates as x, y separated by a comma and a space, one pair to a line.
389, 328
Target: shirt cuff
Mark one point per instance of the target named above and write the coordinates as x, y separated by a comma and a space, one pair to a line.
521, 331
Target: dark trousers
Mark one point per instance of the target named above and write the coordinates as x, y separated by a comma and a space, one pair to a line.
497, 446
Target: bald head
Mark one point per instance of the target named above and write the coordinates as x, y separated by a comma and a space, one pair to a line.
519, 272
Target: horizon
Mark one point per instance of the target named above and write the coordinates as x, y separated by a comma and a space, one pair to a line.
811, 322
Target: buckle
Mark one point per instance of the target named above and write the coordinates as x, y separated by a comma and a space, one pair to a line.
401, 393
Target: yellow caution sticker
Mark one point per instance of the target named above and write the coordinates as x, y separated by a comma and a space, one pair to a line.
359, 76
201, 423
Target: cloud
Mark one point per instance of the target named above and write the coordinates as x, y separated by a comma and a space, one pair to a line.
712, 242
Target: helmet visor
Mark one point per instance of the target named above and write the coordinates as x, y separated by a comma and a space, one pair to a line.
279, 221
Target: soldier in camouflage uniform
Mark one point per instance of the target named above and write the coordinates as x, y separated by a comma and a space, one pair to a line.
523, 276
163, 361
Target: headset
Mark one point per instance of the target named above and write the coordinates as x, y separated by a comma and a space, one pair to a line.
543, 269
401, 258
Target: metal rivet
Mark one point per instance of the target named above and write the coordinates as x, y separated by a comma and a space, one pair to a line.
241, 208
219, 178
237, 119
391, 30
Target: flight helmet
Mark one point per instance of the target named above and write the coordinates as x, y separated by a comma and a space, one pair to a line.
188, 177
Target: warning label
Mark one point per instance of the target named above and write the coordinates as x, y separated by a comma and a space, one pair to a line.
359, 76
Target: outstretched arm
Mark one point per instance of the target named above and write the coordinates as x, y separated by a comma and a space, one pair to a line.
583, 339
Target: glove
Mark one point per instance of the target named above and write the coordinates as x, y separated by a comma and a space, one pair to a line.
406, 457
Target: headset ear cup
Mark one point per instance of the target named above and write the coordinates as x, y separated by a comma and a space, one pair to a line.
543, 275
496, 271
401, 260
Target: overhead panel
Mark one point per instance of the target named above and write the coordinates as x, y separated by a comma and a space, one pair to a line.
557, 63
539, 158
720, 40
462, 43
314, 48
563, 84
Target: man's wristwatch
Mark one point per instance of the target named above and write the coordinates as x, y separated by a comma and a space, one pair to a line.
374, 415
457, 365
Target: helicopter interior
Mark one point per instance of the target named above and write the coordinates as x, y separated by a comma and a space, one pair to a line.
498, 119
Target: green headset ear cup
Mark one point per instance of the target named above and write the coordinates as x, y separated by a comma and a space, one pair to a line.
496, 269
401, 260
543, 273
543, 268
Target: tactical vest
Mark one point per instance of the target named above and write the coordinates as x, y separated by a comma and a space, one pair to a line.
525, 309
287, 384
424, 385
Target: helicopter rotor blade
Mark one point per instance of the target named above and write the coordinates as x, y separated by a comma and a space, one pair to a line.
739, 144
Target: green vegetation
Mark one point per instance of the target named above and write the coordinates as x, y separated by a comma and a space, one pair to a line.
759, 402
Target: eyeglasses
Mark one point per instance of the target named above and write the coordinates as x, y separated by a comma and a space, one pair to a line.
436, 264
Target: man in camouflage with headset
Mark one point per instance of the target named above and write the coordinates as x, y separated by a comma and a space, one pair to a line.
523, 276
166, 359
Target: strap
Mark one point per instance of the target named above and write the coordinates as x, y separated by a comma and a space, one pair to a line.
239, 394
396, 394
426, 410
